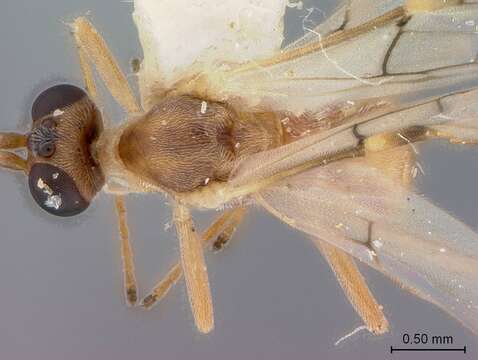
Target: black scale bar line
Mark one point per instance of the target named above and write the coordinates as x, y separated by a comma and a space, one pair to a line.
392, 349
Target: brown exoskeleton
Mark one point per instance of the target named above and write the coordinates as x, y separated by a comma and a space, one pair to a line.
327, 149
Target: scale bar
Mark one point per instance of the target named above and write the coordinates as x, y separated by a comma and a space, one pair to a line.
463, 349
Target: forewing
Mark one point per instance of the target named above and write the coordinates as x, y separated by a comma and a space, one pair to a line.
352, 205
398, 64
400, 54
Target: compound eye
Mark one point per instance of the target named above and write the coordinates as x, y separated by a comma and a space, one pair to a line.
55, 98
55, 191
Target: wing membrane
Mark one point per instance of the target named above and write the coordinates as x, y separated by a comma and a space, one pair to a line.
391, 55
384, 75
361, 211
454, 114
347, 15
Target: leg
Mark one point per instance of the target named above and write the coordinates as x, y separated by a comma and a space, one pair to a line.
195, 272
130, 286
223, 238
93, 47
354, 286
87, 74
129, 281
176, 272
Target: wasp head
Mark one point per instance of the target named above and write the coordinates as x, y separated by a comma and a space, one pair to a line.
63, 175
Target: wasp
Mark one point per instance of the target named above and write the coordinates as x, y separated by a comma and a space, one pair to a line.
320, 134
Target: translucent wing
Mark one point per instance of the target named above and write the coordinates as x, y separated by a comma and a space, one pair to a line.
452, 115
397, 53
348, 14
363, 212
387, 74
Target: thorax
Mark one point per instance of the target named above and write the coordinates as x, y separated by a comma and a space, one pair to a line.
186, 147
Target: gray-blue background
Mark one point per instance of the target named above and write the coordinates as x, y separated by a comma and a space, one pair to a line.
274, 296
